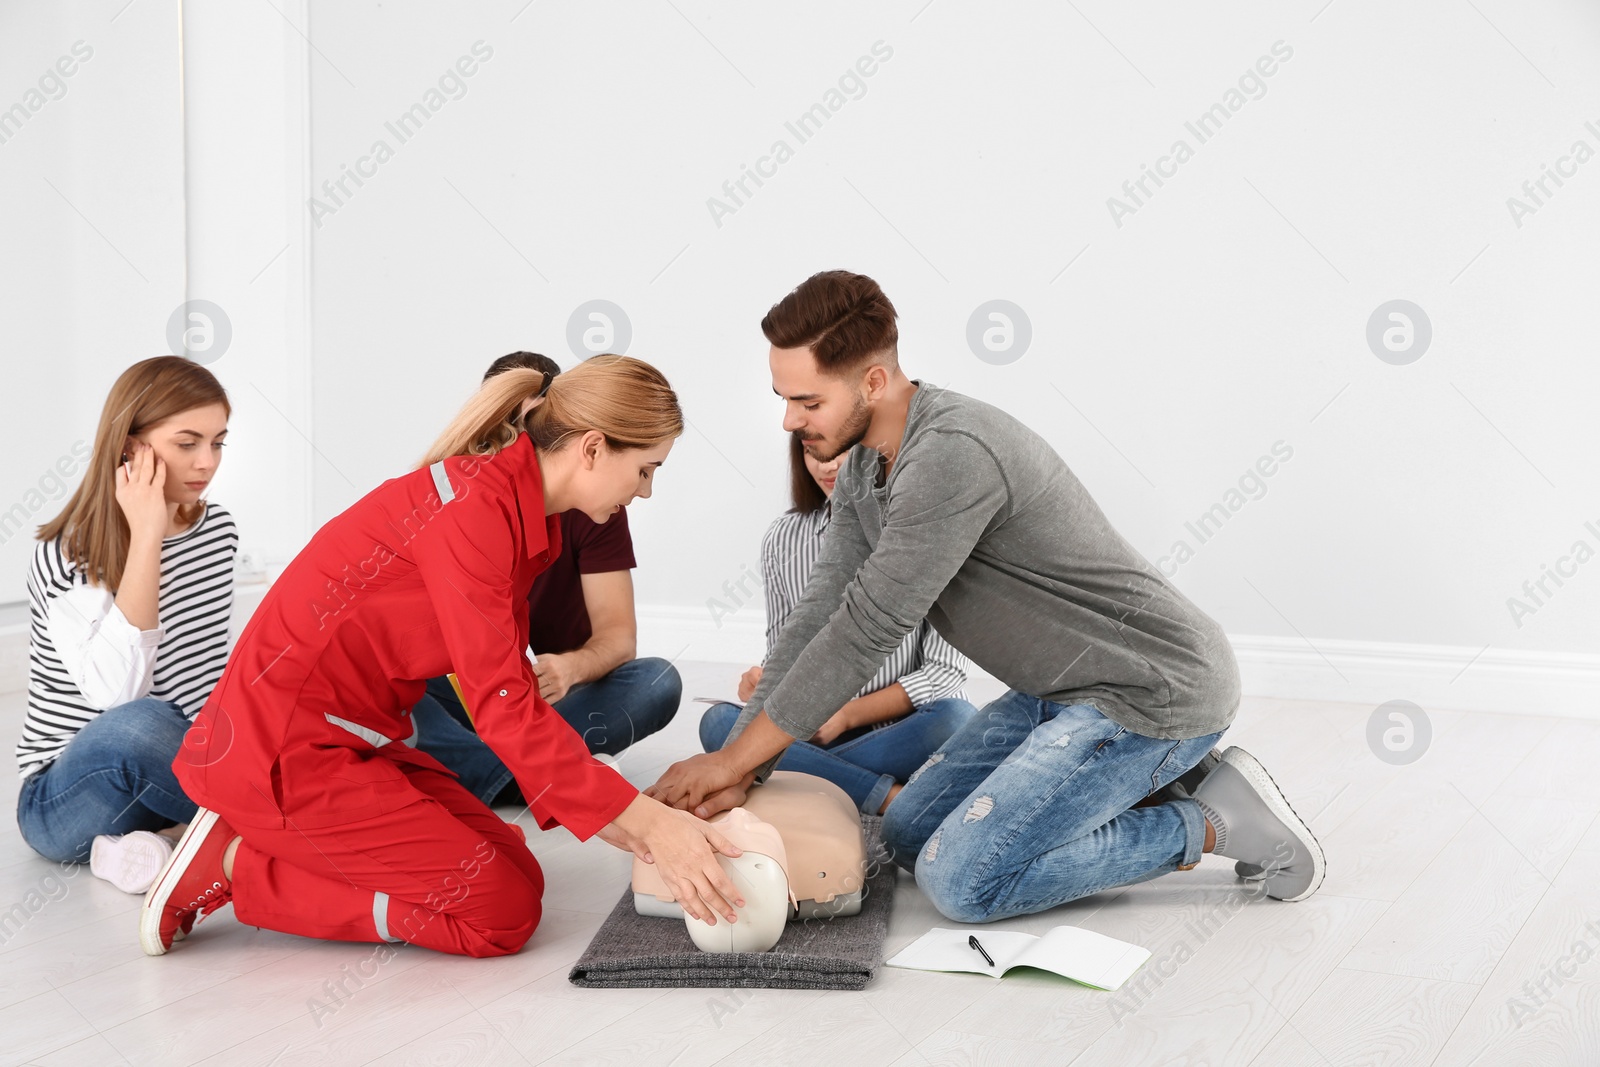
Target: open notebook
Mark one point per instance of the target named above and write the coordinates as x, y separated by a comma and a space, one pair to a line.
1081, 955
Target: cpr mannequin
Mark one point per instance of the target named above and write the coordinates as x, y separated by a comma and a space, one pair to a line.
804, 857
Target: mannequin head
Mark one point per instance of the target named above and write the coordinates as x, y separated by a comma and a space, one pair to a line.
824, 853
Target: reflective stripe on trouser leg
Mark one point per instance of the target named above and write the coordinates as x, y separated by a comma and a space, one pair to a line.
380, 916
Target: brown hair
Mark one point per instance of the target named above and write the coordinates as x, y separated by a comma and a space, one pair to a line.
531, 360
626, 399
807, 495
93, 530
843, 318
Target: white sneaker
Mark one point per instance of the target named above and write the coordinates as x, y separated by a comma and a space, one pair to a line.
129, 861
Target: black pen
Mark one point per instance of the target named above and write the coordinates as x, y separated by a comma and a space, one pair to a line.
973, 941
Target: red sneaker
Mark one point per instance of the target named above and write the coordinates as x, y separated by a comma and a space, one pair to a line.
190, 886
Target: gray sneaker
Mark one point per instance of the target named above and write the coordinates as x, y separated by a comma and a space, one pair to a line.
1184, 786
1186, 783
1255, 822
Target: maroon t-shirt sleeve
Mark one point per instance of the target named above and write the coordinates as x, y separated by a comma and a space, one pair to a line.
607, 546
558, 617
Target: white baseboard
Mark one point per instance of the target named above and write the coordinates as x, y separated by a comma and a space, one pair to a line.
1432, 676
1354, 672
692, 634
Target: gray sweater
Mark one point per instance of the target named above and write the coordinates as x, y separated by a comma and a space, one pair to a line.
983, 530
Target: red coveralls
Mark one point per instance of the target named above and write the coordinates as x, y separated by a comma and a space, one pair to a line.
350, 833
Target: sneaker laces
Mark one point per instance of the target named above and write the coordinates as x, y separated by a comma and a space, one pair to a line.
215, 896
211, 907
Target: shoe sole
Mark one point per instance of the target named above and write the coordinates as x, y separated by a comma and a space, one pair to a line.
110, 861
1255, 774
100, 850
155, 901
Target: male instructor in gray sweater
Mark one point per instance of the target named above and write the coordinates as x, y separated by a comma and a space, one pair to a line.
953, 510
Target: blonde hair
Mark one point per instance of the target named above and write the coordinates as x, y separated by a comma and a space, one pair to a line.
93, 530
626, 399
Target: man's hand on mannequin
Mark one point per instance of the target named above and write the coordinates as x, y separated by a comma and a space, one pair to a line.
706, 784
716, 781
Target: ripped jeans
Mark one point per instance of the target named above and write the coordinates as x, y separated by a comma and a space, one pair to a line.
1030, 805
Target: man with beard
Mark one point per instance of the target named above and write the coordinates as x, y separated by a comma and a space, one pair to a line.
1096, 769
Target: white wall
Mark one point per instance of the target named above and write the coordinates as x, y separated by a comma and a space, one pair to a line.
1169, 353
91, 179
245, 119
1227, 314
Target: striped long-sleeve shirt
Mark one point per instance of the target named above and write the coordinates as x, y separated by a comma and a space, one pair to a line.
925, 665
180, 661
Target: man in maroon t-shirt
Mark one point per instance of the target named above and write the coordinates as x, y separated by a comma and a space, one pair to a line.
582, 630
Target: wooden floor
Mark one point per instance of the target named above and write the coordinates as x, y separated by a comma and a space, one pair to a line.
1457, 886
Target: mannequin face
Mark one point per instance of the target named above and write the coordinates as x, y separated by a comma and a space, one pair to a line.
832, 414
190, 444
605, 481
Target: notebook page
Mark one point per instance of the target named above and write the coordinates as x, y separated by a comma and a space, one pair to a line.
1084, 956
943, 949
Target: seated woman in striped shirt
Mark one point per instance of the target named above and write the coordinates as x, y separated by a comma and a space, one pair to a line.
130, 594
872, 744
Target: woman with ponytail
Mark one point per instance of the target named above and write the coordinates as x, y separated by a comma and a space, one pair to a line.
318, 816
130, 595
583, 642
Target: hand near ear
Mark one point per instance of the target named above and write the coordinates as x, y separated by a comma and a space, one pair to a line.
141, 491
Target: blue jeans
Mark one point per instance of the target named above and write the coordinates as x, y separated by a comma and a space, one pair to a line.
609, 713
114, 777
1030, 805
864, 762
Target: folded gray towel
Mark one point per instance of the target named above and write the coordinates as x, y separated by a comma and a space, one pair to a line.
632, 951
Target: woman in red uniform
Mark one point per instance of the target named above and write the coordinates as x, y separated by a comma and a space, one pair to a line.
316, 816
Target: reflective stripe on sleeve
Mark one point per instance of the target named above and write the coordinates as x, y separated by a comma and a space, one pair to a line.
366, 733
441, 482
